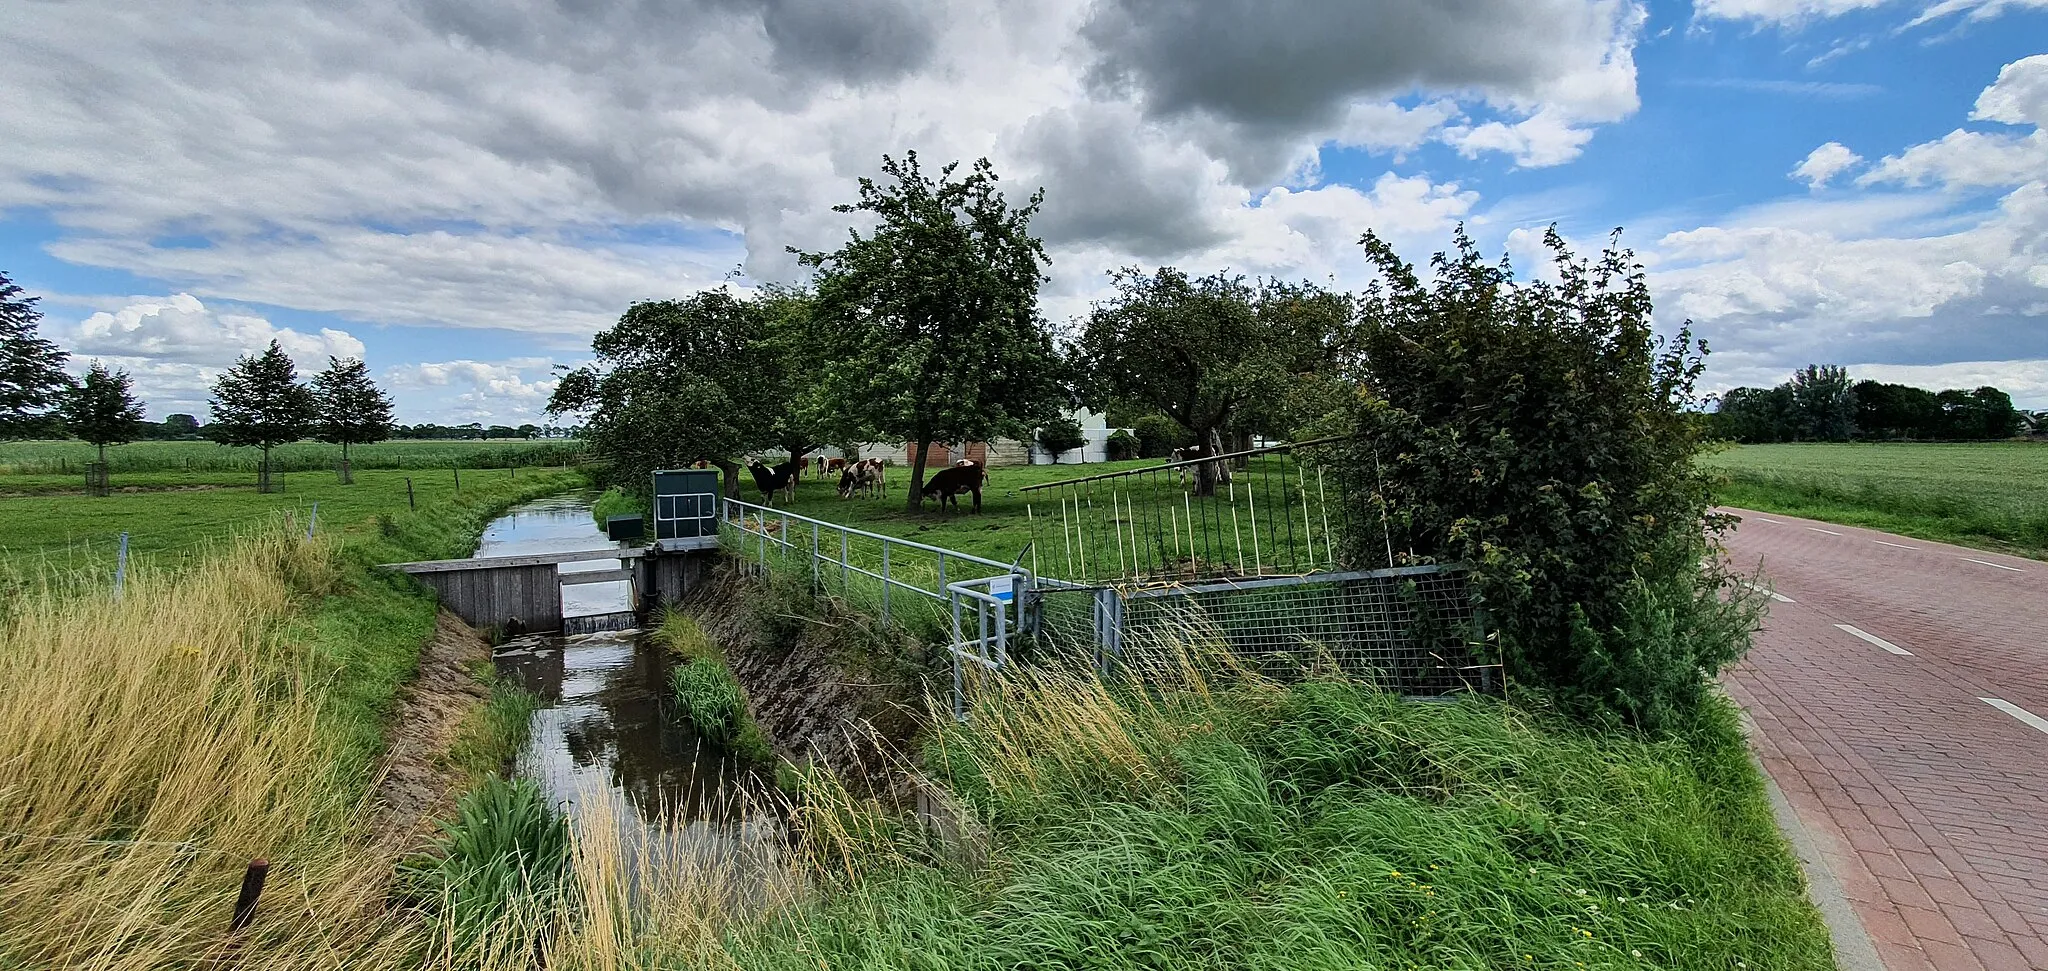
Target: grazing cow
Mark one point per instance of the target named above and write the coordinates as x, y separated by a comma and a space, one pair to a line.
864, 476
951, 481
834, 466
771, 479
1191, 453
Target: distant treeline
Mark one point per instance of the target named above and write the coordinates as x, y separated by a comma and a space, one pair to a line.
1821, 404
186, 428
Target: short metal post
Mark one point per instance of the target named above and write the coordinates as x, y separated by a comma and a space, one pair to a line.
252, 887
959, 690
458, 480
843, 557
885, 580
121, 567
814, 557
312, 520
410, 502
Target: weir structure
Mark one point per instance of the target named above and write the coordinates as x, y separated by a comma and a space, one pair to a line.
523, 593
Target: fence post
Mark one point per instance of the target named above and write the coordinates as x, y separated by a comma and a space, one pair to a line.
121, 567
410, 502
313, 520
885, 580
458, 480
252, 888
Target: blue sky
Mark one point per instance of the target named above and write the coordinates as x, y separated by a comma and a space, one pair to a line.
462, 192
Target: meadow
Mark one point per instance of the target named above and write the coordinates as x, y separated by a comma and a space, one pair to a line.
1992, 495
67, 459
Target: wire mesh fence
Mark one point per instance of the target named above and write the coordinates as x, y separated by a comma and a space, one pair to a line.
1414, 630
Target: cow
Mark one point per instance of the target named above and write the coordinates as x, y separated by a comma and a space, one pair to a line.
863, 476
834, 466
964, 476
771, 479
1191, 453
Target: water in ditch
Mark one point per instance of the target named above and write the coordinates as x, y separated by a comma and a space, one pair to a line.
606, 729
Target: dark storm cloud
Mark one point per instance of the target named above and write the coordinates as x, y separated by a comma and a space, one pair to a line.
1293, 65
1110, 193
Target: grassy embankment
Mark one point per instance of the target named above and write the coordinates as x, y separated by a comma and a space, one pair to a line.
65, 460
1988, 495
1212, 820
230, 706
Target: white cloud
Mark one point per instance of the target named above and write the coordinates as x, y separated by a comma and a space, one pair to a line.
512, 392
1824, 163
1795, 13
1548, 137
1968, 158
2025, 381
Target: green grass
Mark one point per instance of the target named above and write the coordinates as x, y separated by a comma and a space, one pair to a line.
1322, 825
706, 693
1990, 495
78, 532
493, 734
507, 849
68, 458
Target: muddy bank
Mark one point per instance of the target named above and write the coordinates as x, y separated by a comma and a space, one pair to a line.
416, 784
825, 684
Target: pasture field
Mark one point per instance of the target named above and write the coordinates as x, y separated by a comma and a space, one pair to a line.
68, 458
65, 534
1991, 495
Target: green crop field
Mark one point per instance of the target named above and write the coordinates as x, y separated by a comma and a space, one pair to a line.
1992, 495
68, 458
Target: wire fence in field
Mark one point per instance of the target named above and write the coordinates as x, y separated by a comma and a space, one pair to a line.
1274, 511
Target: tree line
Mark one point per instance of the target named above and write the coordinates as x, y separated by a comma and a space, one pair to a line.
259, 402
926, 330
1820, 403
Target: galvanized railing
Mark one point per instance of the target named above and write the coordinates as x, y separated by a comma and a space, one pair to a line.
869, 570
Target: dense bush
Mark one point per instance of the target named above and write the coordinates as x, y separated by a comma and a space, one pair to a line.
1159, 435
1540, 432
1061, 435
1122, 445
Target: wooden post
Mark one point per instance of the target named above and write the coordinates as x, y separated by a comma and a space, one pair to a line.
458, 480
410, 502
252, 888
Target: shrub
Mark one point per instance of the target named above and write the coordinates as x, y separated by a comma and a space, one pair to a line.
1541, 432
1122, 445
1061, 435
503, 856
1159, 435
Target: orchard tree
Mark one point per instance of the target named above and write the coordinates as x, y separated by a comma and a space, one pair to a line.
349, 408
672, 384
32, 378
102, 409
1061, 435
1215, 353
259, 402
929, 323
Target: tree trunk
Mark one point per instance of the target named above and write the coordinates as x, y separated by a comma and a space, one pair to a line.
1209, 474
729, 474
263, 471
915, 501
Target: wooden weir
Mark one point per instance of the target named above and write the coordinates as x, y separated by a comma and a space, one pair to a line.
523, 593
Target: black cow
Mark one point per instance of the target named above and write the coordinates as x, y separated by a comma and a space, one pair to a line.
770, 479
956, 479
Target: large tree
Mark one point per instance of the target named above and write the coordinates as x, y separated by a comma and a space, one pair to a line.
32, 378
350, 408
259, 402
1823, 403
1217, 354
675, 382
930, 321
102, 409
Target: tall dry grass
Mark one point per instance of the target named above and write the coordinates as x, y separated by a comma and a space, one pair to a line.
151, 747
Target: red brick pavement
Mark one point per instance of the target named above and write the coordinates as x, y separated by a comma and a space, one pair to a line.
1930, 805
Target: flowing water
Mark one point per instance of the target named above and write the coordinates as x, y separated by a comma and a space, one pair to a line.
606, 728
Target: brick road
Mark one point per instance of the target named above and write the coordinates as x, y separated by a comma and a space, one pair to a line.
1928, 803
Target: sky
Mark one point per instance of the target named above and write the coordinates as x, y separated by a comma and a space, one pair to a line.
462, 192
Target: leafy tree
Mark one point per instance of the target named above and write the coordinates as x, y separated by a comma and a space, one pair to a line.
102, 409
351, 409
1061, 435
1159, 435
1543, 433
930, 322
32, 378
1754, 415
1215, 354
671, 386
1823, 403
259, 402
180, 426
1996, 418
1896, 411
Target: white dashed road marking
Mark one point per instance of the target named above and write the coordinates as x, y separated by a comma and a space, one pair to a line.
1773, 594
1817, 529
1774, 522
2028, 717
1896, 546
1989, 563
1874, 639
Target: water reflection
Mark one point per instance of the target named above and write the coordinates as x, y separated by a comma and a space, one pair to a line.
605, 728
